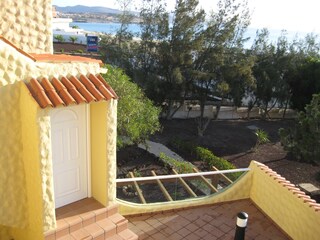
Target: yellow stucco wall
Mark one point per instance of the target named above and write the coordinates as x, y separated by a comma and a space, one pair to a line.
32, 162
297, 218
111, 150
98, 141
19, 140
238, 190
27, 23
15, 67
103, 124
12, 177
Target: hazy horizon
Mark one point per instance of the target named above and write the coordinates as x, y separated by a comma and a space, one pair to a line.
291, 15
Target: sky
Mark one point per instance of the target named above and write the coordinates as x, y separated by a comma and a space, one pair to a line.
291, 15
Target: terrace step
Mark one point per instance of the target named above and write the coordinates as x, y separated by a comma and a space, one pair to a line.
101, 224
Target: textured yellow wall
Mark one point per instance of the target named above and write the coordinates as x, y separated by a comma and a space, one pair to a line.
15, 150
111, 150
296, 217
238, 190
12, 177
45, 156
98, 141
31, 159
27, 23
15, 66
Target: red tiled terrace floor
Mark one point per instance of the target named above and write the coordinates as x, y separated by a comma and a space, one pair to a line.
207, 222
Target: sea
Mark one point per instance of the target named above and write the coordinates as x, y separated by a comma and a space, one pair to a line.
112, 28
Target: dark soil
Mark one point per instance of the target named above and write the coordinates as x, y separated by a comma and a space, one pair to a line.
230, 139
68, 47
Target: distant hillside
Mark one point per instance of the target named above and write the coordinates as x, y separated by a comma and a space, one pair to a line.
86, 9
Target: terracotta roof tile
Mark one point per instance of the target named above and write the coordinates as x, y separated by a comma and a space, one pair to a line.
39, 94
51, 93
107, 85
73, 90
102, 88
82, 89
63, 92
68, 91
291, 187
91, 87
62, 58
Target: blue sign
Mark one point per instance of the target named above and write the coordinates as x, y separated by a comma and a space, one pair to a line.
92, 43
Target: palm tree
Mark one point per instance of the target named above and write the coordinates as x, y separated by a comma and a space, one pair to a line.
59, 38
73, 39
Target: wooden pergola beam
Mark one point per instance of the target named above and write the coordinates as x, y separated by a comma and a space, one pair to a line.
185, 185
162, 188
212, 188
224, 176
139, 191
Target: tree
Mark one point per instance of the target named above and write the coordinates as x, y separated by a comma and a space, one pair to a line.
168, 48
303, 139
59, 38
154, 29
118, 50
137, 116
73, 39
220, 53
271, 71
305, 82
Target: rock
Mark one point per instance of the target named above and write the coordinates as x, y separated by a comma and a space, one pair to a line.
310, 190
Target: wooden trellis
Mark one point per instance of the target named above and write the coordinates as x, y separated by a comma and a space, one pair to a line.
160, 179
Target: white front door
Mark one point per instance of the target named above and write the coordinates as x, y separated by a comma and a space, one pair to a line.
69, 154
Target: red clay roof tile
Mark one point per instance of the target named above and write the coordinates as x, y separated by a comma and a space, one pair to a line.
73, 90
82, 89
62, 58
69, 90
99, 85
63, 92
107, 86
91, 87
40, 94
51, 93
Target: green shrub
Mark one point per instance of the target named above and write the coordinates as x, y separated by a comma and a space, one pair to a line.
212, 160
183, 146
138, 118
204, 155
262, 138
302, 141
179, 166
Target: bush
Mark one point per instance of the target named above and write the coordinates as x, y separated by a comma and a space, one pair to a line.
212, 160
138, 118
262, 138
204, 155
179, 166
183, 146
302, 141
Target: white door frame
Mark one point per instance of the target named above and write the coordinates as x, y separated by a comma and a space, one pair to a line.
88, 148
88, 145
